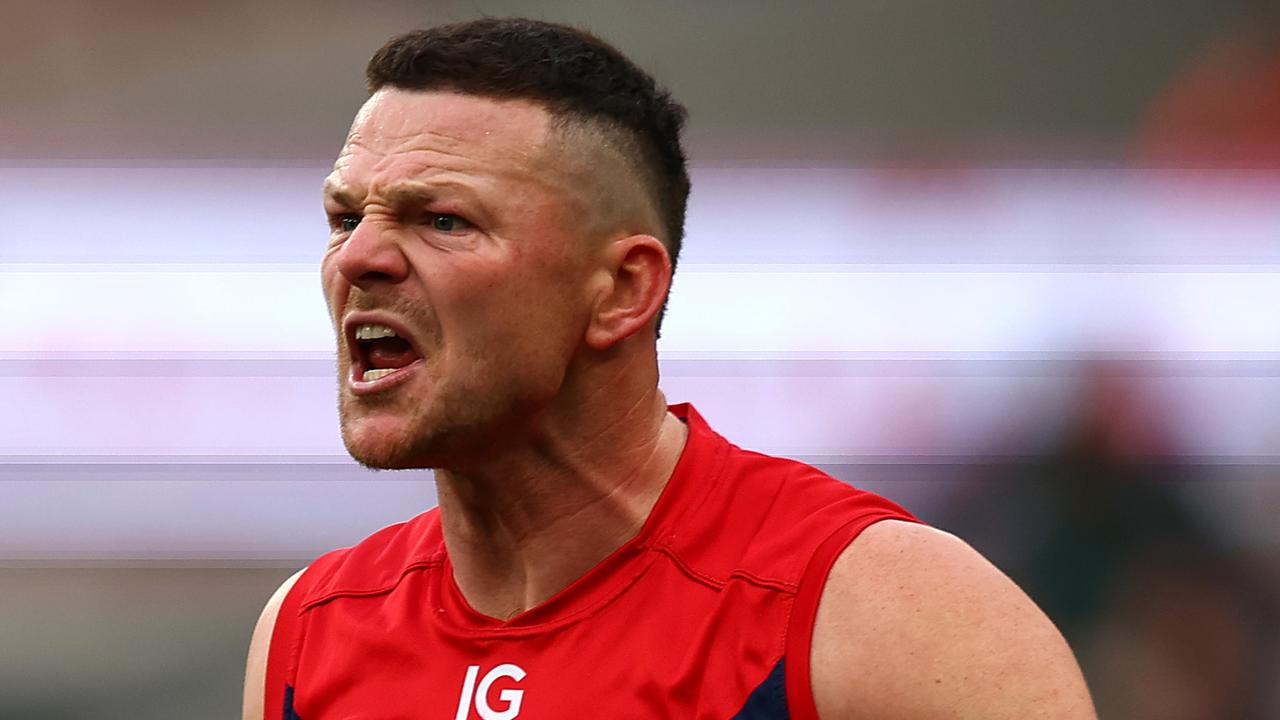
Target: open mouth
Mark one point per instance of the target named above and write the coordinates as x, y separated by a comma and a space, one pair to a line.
379, 352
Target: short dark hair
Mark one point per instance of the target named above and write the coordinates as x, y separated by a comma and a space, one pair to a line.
573, 73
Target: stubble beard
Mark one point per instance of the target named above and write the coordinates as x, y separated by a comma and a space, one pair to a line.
403, 435
453, 429
456, 422
374, 449
413, 441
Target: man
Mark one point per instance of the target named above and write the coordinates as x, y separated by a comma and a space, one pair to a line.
506, 215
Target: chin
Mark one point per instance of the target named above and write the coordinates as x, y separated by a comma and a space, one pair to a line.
381, 445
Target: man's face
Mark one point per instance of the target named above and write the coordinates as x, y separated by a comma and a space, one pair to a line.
454, 227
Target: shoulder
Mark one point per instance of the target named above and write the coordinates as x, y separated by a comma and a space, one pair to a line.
785, 493
377, 563
768, 516
374, 564
913, 623
255, 675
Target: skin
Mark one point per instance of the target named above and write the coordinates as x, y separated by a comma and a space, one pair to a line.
914, 624
493, 238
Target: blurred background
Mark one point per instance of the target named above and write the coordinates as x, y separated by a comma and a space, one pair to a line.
1014, 265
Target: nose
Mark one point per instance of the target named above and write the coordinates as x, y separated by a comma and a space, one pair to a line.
371, 255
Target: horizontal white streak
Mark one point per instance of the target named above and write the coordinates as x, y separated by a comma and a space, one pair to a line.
810, 214
851, 311
169, 416
207, 519
132, 310
950, 267
804, 416
33, 364
755, 215
198, 515
976, 416
973, 312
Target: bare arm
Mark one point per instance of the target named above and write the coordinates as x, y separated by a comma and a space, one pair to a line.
255, 674
915, 625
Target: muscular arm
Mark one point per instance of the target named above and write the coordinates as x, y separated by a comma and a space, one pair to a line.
915, 625
255, 675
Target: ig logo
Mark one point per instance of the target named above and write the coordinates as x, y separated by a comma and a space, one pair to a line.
480, 694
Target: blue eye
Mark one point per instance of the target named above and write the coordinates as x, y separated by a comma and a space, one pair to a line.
445, 222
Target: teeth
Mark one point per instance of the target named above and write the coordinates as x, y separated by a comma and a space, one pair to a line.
371, 375
373, 332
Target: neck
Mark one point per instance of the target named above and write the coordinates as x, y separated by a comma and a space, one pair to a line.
539, 515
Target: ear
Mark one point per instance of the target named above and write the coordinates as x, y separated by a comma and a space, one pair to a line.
638, 271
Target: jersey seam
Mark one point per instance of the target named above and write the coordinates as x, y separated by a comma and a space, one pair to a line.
713, 477
747, 576
371, 592
560, 623
768, 583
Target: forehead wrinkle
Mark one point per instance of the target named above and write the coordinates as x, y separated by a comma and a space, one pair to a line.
447, 141
383, 158
510, 196
415, 176
479, 151
409, 192
410, 117
424, 166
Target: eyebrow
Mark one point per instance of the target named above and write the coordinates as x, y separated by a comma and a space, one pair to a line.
404, 193
343, 195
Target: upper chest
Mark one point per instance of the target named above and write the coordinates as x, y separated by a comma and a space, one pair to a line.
668, 644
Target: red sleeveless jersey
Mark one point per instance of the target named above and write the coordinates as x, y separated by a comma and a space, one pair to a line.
707, 613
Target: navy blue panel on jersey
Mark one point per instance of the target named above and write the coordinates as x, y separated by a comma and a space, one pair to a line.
769, 700
289, 714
